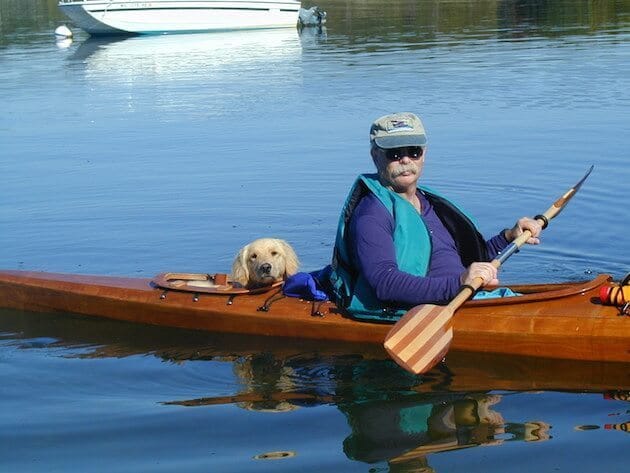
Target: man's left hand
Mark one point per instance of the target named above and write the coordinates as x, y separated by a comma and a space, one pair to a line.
523, 224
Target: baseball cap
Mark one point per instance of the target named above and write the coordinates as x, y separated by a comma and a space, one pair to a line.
398, 130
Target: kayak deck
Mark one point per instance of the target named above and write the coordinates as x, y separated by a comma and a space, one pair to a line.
561, 321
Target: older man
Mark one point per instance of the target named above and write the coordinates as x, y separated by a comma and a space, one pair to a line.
399, 244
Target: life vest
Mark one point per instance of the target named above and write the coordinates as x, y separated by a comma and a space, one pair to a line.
412, 243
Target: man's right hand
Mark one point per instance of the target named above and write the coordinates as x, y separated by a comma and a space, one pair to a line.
485, 271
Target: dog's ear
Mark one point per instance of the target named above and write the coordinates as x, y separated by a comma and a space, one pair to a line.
291, 260
240, 273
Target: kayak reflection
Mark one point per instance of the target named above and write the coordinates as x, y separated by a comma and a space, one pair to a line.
391, 416
404, 431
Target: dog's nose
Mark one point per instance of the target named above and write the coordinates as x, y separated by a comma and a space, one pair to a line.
265, 268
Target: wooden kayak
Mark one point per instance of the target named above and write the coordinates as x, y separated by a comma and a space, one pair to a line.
558, 321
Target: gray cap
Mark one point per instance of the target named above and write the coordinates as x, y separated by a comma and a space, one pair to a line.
398, 130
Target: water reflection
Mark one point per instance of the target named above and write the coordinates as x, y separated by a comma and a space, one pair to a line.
169, 57
391, 416
475, 35
405, 432
622, 423
443, 19
207, 74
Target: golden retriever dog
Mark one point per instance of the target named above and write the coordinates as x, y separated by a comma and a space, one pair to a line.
264, 262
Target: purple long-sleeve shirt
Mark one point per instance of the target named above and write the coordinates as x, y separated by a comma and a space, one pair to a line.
371, 239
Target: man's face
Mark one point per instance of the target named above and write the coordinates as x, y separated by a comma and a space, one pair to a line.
399, 168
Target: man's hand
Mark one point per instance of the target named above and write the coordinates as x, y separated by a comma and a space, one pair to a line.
485, 271
523, 224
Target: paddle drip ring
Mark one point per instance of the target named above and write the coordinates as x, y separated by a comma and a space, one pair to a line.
543, 219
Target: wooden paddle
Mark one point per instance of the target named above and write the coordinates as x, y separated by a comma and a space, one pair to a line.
421, 338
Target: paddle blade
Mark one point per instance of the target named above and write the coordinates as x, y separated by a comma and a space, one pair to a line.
421, 338
561, 203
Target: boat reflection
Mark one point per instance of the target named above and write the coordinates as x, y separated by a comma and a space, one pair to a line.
185, 55
169, 76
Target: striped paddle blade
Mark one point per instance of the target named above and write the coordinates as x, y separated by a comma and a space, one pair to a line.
421, 338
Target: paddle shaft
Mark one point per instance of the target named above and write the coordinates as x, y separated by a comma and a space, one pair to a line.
467, 291
254, 398
464, 294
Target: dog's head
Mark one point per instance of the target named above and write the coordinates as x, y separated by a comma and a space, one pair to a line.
264, 262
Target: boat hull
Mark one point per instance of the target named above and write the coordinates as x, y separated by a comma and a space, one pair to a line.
178, 16
560, 321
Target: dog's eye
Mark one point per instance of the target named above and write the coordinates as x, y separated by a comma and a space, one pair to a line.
254, 256
274, 253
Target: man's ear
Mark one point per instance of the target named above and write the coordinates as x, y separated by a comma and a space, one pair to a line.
374, 154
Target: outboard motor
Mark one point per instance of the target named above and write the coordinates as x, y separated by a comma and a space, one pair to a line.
313, 16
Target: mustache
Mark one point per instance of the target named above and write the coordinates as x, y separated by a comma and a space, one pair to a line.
404, 168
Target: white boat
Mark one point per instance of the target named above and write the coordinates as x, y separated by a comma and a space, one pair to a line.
114, 17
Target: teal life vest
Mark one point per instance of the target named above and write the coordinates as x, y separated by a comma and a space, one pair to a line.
412, 243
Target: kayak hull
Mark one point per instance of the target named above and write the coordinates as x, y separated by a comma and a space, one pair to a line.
559, 321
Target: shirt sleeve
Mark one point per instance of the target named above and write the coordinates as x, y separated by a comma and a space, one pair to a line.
371, 234
496, 244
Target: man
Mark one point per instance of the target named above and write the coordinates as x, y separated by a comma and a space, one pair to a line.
400, 245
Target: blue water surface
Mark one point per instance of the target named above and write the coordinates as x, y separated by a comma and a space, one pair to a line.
141, 155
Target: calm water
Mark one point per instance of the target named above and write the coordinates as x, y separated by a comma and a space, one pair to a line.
143, 155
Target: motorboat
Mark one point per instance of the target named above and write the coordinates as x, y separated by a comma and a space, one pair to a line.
119, 17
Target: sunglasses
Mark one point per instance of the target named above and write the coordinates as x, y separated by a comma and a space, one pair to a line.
395, 154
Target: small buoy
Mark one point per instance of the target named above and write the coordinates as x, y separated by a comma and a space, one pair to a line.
275, 455
63, 43
586, 427
63, 31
